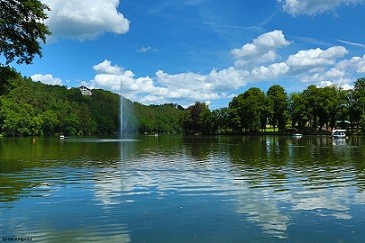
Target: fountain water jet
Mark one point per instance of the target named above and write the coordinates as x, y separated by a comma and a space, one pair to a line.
128, 122
127, 127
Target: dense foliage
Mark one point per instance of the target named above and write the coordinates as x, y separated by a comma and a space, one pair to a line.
22, 29
30, 108
316, 109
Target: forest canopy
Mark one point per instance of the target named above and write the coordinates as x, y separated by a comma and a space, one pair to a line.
29, 108
22, 30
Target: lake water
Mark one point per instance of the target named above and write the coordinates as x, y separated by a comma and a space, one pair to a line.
178, 189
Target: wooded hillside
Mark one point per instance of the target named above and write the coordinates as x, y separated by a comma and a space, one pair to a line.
30, 108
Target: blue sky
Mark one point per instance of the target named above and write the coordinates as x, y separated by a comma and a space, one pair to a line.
183, 51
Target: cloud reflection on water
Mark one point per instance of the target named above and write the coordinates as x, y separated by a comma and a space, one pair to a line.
264, 196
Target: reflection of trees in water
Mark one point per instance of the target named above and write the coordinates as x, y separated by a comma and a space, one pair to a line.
308, 174
200, 148
266, 176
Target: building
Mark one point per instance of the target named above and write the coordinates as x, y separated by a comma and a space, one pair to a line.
85, 90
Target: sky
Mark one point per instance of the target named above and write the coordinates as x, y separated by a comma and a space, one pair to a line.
183, 51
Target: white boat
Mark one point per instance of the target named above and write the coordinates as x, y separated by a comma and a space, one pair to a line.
62, 136
339, 133
297, 135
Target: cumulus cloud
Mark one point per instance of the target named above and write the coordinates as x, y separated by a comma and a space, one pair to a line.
312, 7
85, 19
185, 87
315, 57
355, 63
261, 50
332, 77
321, 67
272, 71
46, 79
214, 84
106, 67
116, 79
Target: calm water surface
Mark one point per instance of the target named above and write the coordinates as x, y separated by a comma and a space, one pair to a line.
176, 189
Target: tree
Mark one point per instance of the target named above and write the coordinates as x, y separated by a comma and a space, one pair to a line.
223, 119
277, 103
198, 119
311, 100
7, 75
357, 103
298, 112
247, 110
209, 122
21, 29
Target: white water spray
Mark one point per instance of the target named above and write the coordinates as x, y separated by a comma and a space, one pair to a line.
121, 117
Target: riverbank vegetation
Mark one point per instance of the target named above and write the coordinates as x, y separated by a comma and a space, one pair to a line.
29, 108
315, 110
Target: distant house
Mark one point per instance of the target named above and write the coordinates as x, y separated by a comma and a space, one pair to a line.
85, 90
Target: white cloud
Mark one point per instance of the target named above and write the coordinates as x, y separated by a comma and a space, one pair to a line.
355, 63
146, 49
46, 79
312, 7
184, 87
261, 50
106, 67
305, 59
352, 43
116, 79
85, 19
321, 67
323, 78
272, 71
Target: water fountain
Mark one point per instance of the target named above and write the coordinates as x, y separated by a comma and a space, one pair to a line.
127, 120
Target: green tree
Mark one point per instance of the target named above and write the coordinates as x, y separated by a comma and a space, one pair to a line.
223, 119
298, 111
247, 110
21, 29
197, 119
234, 118
311, 99
343, 111
19, 119
327, 106
357, 103
7, 75
50, 122
209, 122
277, 104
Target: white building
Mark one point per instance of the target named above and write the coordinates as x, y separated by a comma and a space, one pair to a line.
85, 90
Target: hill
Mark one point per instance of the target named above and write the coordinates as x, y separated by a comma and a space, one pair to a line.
30, 108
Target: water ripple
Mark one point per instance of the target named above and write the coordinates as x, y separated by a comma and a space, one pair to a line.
265, 188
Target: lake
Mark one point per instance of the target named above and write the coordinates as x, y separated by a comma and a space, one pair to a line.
183, 189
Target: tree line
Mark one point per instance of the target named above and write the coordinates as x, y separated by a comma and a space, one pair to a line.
30, 108
316, 109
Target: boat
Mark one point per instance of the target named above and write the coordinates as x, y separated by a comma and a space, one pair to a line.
339, 133
62, 136
297, 135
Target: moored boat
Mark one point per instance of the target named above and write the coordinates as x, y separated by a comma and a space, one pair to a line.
339, 133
